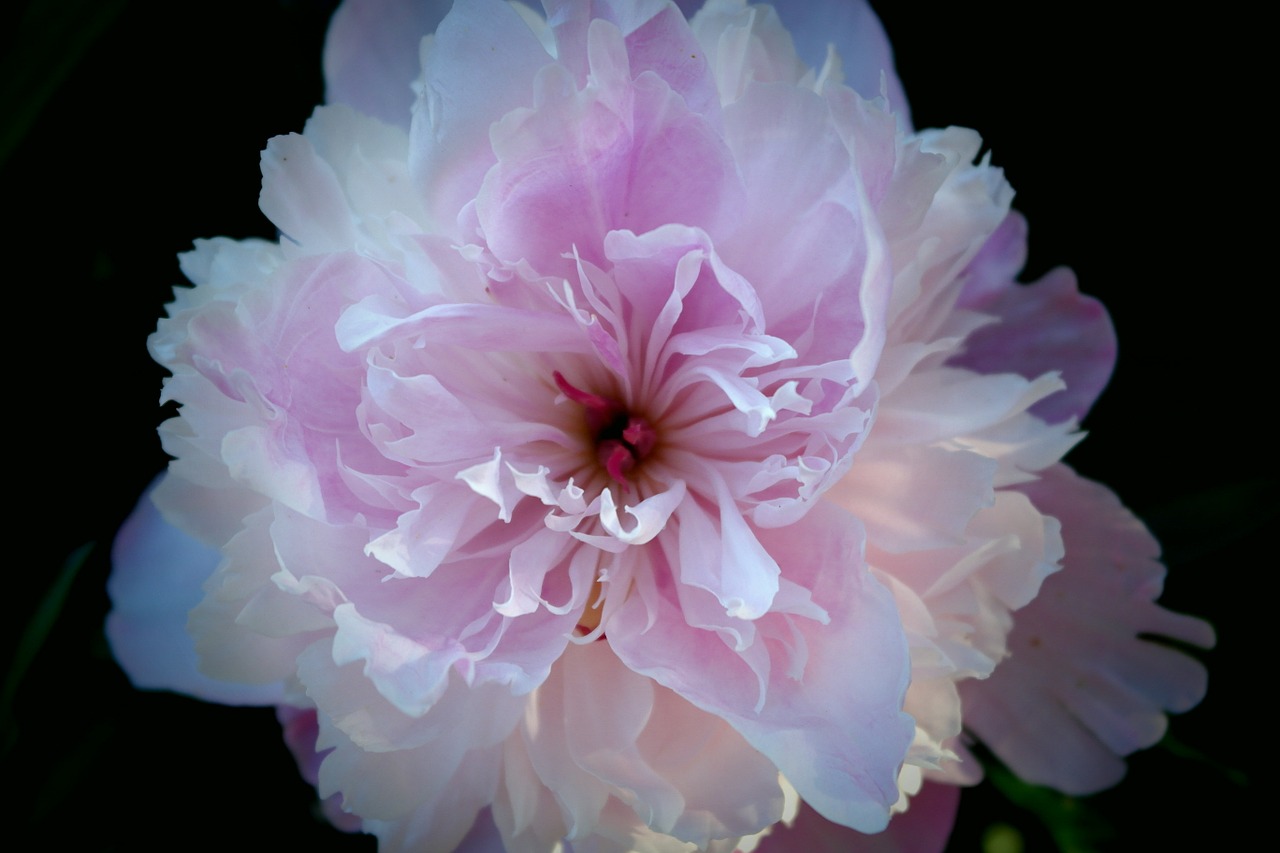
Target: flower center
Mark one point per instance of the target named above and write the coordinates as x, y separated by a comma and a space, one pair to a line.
622, 439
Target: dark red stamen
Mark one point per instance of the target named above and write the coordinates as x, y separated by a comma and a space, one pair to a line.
583, 398
640, 435
622, 440
618, 460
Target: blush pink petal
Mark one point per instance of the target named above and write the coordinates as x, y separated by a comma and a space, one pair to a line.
1082, 686
657, 39
837, 733
807, 281
637, 158
670, 768
654, 430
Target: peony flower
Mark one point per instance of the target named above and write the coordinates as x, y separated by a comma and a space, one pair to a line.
637, 440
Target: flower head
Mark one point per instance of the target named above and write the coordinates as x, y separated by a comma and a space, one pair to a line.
645, 429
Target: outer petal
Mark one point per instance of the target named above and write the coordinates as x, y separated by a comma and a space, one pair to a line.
479, 66
1044, 326
300, 729
597, 734
923, 828
1081, 688
852, 28
371, 54
157, 578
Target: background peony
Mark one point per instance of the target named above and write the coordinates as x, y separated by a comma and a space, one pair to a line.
1042, 233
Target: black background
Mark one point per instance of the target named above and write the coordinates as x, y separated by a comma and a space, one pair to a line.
1133, 154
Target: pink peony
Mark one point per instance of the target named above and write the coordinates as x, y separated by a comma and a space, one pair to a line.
646, 437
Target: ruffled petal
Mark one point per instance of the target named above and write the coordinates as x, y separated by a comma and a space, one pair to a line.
815, 27
625, 758
301, 729
858, 37
638, 158
1083, 685
831, 721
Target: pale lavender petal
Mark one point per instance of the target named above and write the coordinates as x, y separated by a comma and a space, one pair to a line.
1083, 686
158, 572
1046, 325
371, 54
480, 65
484, 836
657, 40
852, 28
923, 828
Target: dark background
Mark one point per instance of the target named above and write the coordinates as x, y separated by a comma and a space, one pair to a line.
132, 128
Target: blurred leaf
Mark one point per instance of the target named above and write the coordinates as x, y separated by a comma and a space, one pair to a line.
69, 771
1002, 838
1075, 827
33, 638
1189, 753
43, 50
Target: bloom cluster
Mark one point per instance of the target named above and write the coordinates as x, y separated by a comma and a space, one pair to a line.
637, 430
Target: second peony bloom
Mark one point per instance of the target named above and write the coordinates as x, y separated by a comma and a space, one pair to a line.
638, 427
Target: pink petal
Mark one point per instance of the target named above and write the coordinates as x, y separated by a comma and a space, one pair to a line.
837, 733
657, 39
807, 235
637, 158
1082, 687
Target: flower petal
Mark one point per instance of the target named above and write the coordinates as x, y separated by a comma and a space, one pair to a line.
838, 732
479, 65
1082, 687
1046, 325
371, 54
156, 580
923, 828
852, 28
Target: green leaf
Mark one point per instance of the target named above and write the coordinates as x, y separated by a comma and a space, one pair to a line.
33, 638
1075, 826
47, 45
